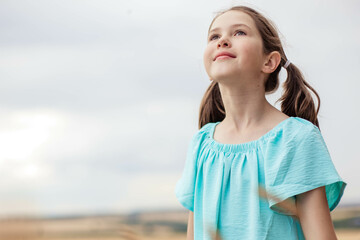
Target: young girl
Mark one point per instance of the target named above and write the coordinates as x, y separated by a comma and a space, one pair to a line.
244, 143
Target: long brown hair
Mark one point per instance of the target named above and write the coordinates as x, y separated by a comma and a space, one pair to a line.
296, 100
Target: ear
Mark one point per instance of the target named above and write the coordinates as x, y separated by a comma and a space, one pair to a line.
272, 61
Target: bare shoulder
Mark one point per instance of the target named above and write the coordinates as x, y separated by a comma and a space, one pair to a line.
275, 117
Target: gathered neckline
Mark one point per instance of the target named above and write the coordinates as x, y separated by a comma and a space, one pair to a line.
242, 146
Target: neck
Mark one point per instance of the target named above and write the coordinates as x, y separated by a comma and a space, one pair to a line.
245, 106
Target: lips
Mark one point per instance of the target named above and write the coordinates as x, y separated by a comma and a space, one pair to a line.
224, 54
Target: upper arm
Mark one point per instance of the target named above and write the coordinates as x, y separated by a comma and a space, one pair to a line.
190, 227
314, 215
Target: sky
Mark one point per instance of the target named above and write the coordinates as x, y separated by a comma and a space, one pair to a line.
99, 99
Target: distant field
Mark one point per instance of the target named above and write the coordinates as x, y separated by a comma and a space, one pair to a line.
140, 226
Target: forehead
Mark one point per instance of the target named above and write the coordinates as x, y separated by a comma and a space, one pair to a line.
233, 17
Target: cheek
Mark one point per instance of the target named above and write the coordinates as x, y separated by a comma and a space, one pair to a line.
256, 49
248, 49
251, 53
207, 57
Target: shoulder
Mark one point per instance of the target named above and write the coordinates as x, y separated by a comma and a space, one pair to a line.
292, 132
299, 128
303, 122
298, 139
206, 128
202, 133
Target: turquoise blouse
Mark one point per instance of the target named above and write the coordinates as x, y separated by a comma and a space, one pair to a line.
219, 182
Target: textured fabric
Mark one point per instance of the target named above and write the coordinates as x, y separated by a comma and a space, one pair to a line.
220, 182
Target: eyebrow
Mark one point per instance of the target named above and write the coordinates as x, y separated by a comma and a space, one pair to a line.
234, 25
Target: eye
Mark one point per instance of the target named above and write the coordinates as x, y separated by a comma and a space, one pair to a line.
213, 37
241, 32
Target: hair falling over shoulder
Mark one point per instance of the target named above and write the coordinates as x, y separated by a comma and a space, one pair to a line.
296, 100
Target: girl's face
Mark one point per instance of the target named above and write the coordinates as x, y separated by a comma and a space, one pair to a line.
234, 38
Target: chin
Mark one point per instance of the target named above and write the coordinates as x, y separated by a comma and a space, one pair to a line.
224, 75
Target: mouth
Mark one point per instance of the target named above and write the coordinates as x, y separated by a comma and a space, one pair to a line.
224, 55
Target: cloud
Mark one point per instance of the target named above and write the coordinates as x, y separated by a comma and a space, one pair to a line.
107, 94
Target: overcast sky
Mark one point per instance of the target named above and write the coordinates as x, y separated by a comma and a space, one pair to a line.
99, 99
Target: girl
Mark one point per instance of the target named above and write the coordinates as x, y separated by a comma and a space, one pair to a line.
244, 143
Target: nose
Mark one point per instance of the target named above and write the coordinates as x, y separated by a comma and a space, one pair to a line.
224, 43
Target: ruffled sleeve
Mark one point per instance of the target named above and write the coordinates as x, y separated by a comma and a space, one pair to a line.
298, 161
185, 187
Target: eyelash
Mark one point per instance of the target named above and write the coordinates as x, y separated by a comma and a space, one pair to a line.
212, 36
